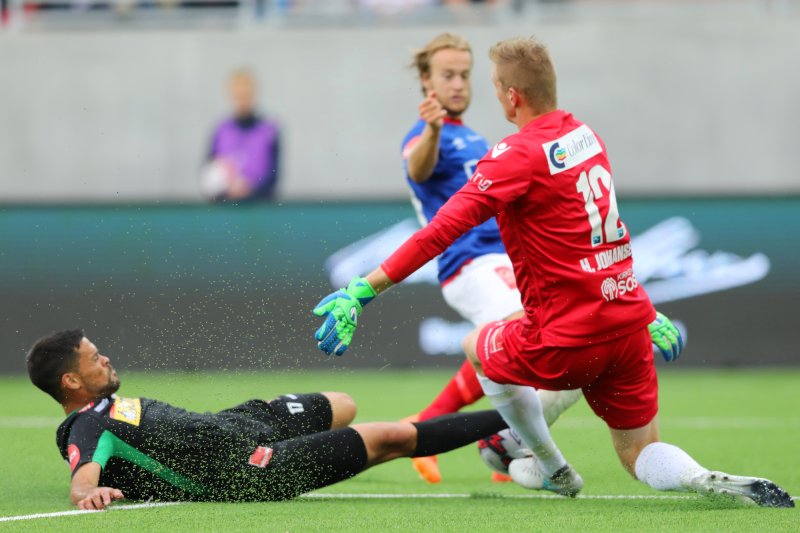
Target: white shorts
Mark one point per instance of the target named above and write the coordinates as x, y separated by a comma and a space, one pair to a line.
484, 290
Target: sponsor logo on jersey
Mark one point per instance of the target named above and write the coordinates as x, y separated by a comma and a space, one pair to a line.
261, 457
73, 456
101, 405
611, 288
572, 149
606, 258
499, 149
481, 181
458, 143
128, 410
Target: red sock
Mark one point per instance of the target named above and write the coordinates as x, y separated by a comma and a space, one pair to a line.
463, 389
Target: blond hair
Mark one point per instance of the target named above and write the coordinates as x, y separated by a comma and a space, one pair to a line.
443, 41
524, 64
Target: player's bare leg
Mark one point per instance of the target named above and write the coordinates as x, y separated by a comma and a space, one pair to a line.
522, 409
385, 441
663, 466
343, 409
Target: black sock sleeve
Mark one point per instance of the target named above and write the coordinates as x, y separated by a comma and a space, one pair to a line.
448, 432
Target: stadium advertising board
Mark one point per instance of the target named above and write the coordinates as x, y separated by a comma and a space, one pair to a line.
201, 287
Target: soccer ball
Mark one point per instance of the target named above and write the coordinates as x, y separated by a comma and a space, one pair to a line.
498, 450
216, 177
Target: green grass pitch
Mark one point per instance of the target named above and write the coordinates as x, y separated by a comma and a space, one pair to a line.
743, 422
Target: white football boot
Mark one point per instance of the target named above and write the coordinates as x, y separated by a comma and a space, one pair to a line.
525, 472
760, 491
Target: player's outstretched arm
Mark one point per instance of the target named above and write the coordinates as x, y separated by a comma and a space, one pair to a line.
342, 308
425, 154
85, 493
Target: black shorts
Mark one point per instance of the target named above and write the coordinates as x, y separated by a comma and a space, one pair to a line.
285, 417
288, 468
294, 449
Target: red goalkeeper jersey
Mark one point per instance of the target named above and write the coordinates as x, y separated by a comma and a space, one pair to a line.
550, 187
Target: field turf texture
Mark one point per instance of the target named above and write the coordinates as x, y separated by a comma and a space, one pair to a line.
743, 422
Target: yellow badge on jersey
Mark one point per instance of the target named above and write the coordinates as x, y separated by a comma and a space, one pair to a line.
127, 410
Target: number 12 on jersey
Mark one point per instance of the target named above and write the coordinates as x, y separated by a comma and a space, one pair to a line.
589, 186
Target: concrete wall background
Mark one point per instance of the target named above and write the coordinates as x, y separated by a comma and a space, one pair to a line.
688, 103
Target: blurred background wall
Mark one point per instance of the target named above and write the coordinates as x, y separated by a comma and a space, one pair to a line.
691, 99
106, 116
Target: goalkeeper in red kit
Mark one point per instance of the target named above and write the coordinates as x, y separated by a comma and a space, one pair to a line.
587, 323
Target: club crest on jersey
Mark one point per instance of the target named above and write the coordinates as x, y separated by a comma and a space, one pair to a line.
128, 410
572, 149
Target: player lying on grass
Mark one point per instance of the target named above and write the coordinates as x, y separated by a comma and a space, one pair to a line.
477, 279
587, 322
139, 448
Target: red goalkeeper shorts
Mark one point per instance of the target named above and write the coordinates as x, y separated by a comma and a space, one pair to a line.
617, 377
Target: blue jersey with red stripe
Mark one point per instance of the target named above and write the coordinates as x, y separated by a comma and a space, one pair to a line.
460, 149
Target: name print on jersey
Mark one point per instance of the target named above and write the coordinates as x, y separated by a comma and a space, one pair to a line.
572, 149
605, 259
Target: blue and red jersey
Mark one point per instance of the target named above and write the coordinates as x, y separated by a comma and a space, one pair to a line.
460, 149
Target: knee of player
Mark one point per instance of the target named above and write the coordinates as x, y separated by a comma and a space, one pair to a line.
470, 347
343, 408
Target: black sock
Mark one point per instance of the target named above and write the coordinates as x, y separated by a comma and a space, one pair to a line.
448, 432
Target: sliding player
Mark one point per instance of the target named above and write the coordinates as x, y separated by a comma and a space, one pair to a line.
587, 322
139, 448
477, 279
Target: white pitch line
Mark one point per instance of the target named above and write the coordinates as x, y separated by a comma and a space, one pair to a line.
29, 422
478, 496
81, 511
388, 496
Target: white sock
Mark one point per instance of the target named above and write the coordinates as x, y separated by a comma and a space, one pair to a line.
521, 409
555, 402
666, 467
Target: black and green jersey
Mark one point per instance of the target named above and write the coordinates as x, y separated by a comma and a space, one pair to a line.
148, 448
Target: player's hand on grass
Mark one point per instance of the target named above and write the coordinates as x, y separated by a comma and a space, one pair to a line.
666, 337
342, 309
100, 498
431, 111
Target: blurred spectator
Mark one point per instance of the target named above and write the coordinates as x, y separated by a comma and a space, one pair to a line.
244, 155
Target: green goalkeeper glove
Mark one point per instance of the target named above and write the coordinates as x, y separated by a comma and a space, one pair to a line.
666, 338
342, 309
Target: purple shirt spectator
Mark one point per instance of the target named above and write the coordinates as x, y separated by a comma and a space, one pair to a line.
243, 159
251, 145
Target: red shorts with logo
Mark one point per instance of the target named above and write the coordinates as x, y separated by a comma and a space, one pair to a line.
618, 377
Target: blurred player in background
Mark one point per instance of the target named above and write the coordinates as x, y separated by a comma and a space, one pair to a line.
139, 448
587, 323
477, 279
245, 150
